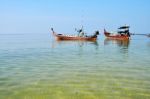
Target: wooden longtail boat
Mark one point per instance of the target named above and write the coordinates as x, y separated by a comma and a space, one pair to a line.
124, 34
74, 37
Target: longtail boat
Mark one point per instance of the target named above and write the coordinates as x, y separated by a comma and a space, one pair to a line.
122, 34
80, 36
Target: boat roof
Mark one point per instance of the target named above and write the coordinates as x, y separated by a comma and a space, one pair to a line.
124, 27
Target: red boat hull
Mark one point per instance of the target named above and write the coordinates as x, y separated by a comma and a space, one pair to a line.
69, 37
117, 36
58, 37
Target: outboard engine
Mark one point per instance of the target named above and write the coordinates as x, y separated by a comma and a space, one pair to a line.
96, 33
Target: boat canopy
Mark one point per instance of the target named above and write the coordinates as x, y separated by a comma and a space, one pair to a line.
124, 27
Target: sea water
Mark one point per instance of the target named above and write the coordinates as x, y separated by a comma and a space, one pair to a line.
35, 66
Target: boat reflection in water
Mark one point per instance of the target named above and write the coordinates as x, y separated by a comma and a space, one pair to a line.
73, 43
121, 43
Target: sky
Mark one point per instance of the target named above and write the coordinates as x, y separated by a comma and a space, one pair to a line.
38, 16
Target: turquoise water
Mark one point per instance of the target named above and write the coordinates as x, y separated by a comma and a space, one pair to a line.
35, 66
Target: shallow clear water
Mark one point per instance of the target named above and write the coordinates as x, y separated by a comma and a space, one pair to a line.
35, 66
